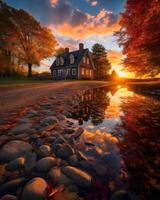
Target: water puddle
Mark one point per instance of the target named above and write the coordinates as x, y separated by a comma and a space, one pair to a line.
121, 137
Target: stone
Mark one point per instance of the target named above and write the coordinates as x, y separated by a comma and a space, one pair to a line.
65, 151
13, 150
16, 164
35, 189
23, 120
61, 117
45, 164
81, 178
44, 150
11, 186
21, 136
81, 156
3, 139
49, 121
46, 105
56, 177
32, 113
78, 133
30, 162
9, 197
69, 131
73, 160
120, 195
21, 128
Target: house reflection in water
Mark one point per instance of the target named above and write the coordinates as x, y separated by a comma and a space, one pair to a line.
91, 105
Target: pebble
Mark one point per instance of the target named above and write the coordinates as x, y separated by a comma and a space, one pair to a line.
16, 164
45, 164
65, 151
11, 186
49, 121
35, 189
44, 150
30, 162
81, 178
13, 150
56, 177
21, 128
9, 197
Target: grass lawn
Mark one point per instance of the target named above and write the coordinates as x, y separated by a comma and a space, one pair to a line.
7, 82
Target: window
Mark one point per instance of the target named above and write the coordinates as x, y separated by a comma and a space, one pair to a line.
71, 59
54, 73
88, 61
60, 72
61, 61
90, 72
82, 71
73, 72
67, 72
57, 61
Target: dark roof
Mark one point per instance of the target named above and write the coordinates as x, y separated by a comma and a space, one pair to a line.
78, 55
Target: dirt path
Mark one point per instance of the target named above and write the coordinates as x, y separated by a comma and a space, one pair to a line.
15, 98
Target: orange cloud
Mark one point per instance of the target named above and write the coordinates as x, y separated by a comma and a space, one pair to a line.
94, 25
54, 2
115, 57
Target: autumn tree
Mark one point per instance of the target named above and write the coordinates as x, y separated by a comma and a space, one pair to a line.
140, 36
101, 61
24, 36
59, 51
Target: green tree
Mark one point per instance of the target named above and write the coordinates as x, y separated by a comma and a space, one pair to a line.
26, 37
101, 61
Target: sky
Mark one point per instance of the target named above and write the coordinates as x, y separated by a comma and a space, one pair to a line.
75, 21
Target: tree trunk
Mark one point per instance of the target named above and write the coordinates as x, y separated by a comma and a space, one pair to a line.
29, 69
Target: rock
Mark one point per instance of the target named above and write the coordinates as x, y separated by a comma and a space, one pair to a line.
99, 169
16, 164
11, 186
81, 178
120, 195
50, 139
9, 197
81, 156
56, 177
35, 189
65, 151
78, 133
21, 136
73, 160
49, 121
69, 131
61, 117
30, 162
3, 139
46, 105
23, 120
56, 147
21, 128
45, 164
32, 113
39, 142
44, 150
13, 150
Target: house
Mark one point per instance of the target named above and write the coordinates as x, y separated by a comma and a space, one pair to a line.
73, 65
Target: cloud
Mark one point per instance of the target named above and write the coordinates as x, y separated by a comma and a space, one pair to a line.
90, 25
54, 2
115, 57
92, 2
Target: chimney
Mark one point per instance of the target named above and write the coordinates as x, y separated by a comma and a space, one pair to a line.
67, 50
81, 46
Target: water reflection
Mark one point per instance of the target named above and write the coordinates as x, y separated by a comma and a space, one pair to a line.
123, 128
